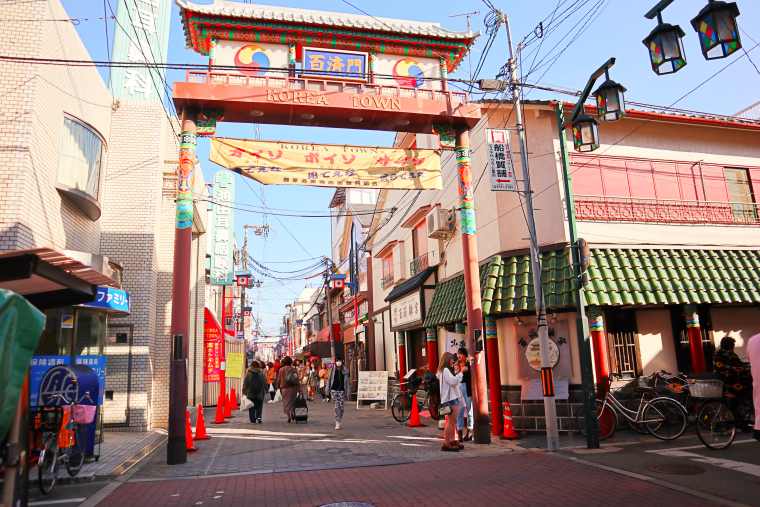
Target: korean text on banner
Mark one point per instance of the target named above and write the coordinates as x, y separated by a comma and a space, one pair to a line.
275, 163
500, 161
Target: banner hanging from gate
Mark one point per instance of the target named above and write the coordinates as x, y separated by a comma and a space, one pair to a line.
326, 165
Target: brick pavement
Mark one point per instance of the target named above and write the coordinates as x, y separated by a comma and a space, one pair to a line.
528, 478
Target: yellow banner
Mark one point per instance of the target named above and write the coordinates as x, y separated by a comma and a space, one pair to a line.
234, 367
327, 165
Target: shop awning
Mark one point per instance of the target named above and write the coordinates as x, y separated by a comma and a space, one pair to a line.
410, 284
617, 276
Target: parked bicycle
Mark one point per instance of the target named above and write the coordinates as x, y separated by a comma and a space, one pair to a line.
54, 453
661, 416
719, 417
427, 397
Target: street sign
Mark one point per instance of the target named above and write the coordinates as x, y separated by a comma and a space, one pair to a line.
500, 161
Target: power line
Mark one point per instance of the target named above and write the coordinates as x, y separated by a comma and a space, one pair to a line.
367, 14
108, 42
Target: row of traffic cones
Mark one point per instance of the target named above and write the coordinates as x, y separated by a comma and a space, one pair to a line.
224, 407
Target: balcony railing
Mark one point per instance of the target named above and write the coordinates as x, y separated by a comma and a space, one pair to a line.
324, 85
387, 280
423, 262
631, 209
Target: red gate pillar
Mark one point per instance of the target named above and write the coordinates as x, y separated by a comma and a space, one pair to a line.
401, 347
431, 345
694, 333
494, 375
472, 297
176, 452
599, 345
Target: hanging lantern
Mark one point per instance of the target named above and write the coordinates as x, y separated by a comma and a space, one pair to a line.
716, 26
666, 48
585, 133
610, 100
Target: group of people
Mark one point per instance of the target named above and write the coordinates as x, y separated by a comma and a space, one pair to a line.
455, 381
290, 379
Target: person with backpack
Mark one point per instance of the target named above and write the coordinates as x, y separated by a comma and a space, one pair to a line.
254, 388
338, 384
288, 383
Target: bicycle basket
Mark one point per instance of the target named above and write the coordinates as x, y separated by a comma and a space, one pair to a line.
50, 418
83, 414
646, 383
706, 388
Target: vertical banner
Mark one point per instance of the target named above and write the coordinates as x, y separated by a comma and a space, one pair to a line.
222, 268
213, 349
185, 170
141, 36
467, 212
500, 161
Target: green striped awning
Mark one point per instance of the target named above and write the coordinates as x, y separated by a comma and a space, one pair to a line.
617, 276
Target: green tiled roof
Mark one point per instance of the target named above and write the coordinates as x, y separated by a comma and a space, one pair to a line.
619, 276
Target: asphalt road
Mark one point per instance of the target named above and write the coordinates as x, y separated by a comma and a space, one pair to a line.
65, 495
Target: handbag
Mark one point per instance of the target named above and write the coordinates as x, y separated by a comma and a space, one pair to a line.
245, 403
445, 408
83, 414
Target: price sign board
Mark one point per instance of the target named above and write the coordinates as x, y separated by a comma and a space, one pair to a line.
500, 161
373, 386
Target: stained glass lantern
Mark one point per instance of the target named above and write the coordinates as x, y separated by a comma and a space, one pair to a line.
585, 133
666, 48
716, 26
610, 100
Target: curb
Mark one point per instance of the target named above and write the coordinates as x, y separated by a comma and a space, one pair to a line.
135, 459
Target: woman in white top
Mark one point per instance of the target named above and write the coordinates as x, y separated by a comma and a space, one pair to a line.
449, 378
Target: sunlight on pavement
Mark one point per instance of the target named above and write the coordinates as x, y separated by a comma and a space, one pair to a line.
431, 439
245, 431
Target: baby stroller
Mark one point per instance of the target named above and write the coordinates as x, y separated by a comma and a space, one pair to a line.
300, 409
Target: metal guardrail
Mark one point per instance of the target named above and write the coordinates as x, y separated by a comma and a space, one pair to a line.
387, 281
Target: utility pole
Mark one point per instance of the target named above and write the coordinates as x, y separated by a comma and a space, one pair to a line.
547, 380
328, 306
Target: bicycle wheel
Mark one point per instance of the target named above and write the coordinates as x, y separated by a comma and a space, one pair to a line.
716, 425
665, 418
401, 407
47, 467
75, 455
605, 417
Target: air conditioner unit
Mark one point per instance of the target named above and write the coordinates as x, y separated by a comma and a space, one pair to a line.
440, 223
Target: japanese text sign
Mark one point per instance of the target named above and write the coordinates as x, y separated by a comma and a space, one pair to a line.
273, 163
109, 298
341, 64
222, 269
213, 348
500, 161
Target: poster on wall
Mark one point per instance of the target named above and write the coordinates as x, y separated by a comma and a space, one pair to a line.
213, 348
529, 360
408, 72
252, 59
454, 341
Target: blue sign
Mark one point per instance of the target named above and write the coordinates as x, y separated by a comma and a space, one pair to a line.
98, 365
332, 63
39, 366
109, 298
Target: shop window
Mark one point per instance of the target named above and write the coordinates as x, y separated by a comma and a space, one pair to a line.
621, 336
56, 337
91, 332
740, 194
81, 155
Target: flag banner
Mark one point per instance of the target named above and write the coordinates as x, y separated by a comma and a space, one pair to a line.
327, 165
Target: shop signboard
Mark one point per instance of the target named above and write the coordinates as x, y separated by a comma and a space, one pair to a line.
373, 386
110, 299
222, 268
98, 364
500, 161
325, 165
213, 348
406, 310
37, 369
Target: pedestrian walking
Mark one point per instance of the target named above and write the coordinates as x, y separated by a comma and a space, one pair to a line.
271, 375
324, 375
449, 378
338, 384
753, 354
254, 388
287, 383
312, 380
465, 419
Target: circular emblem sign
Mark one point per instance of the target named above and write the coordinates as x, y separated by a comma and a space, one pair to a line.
533, 354
407, 72
252, 60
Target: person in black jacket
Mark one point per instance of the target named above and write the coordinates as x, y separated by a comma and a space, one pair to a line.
254, 388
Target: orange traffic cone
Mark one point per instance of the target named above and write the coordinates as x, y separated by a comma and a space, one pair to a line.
509, 428
414, 419
219, 416
200, 425
188, 433
234, 397
227, 405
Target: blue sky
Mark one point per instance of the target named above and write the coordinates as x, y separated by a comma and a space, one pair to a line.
616, 29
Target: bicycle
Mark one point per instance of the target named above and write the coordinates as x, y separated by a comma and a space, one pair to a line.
661, 416
717, 420
401, 405
51, 454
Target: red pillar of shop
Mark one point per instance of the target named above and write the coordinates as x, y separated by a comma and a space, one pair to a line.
176, 452
401, 347
694, 333
494, 376
599, 346
431, 348
473, 338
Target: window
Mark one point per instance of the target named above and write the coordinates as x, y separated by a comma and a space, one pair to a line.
387, 279
362, 196
740, 194
81, 156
